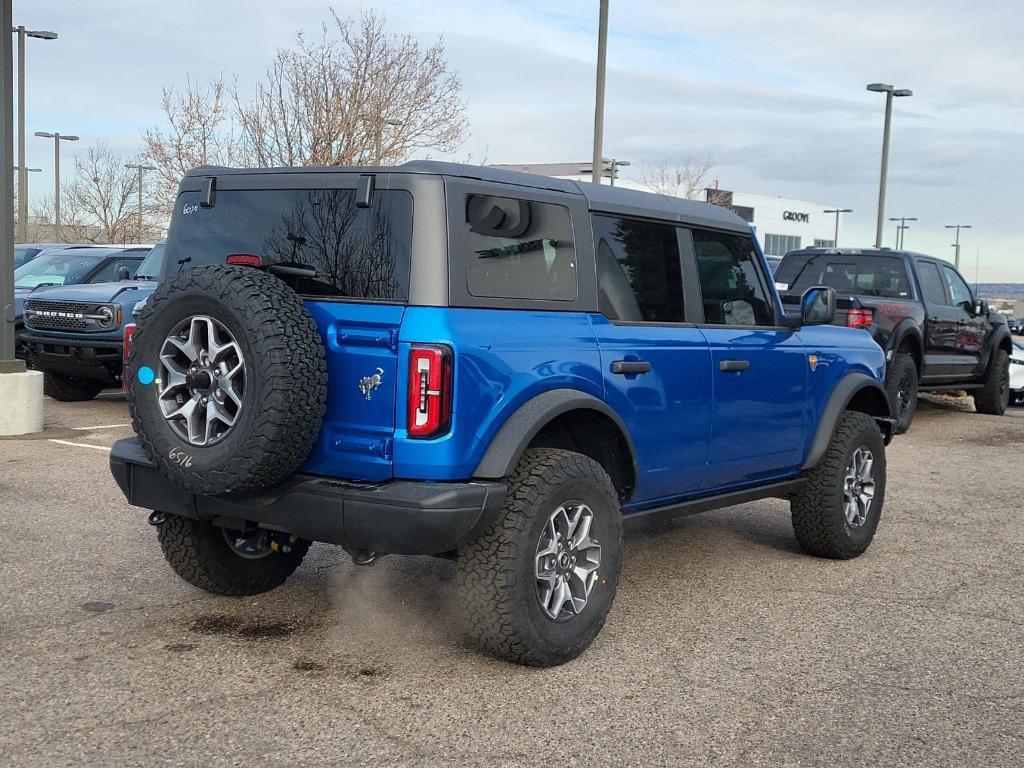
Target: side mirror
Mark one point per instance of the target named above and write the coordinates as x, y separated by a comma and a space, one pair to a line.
980, 307
818, 305
123, 273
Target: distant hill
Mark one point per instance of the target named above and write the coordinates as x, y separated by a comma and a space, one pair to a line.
1014, 291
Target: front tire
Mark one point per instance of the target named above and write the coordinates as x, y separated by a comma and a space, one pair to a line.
70, 389
901, 385
994, 397
837, 510
537, 585
210, 557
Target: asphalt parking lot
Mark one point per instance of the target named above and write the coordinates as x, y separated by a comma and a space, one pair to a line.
725, 646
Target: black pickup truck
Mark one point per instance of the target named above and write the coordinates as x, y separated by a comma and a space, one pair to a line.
937, 335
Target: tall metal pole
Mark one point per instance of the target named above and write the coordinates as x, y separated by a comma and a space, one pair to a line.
8, 363
56, 187
22, 171
602, 52
956, 244
885, 169
835, 237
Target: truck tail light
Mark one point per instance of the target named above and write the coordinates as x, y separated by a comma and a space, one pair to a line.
430, 391
859, 318
129, 334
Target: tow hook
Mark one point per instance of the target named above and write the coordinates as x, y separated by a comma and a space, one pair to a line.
364, 556
157, 518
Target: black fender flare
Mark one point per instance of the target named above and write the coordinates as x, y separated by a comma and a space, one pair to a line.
842, 394
511, 440
1001, 333
908, 329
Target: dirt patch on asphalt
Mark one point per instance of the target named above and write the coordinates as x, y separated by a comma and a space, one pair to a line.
247, 629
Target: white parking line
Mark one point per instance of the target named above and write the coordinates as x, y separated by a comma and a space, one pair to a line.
79, 445
105, 426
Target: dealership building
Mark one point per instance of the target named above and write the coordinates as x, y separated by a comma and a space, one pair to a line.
780, 224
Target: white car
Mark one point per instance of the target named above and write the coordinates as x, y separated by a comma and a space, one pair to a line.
1017, 373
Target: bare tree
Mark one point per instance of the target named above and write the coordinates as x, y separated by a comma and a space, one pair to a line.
99, 203
199, 132
685, 179
73, 228
357, 95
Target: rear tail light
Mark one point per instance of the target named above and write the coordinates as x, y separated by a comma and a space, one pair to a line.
430, 391
129, 334
244, 260
859, 318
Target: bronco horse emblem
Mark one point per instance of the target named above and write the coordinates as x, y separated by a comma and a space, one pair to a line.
368, 384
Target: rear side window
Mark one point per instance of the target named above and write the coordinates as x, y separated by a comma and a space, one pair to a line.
731, 282
849, 274
931, 283
337, 249
519, 249
638, 270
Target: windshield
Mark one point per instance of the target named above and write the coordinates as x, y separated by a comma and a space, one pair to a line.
849, 273
58, 268
22, 253
152, 264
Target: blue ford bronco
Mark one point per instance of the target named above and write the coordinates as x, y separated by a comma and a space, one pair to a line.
76, 333
485, 365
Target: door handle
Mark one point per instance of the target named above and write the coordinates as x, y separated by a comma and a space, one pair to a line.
631, 366
733, 366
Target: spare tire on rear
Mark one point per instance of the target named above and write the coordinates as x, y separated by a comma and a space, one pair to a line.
229, 384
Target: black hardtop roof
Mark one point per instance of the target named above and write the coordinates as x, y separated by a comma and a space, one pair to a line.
600, 197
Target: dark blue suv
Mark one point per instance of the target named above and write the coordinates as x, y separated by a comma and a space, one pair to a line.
486, 365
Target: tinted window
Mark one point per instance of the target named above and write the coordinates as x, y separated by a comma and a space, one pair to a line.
958, 289
111, 270
931, 283
638, 272
731, 282
848, 273
519, 249
151, 266
345, 251
23, 253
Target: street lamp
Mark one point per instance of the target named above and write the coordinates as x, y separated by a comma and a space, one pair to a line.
141, 169
956, 245
889, 92
837, 212
22, 33
613, 164
901, 229
602, 56
57, 139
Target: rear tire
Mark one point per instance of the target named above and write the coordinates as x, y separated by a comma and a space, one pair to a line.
901, 385
507, 578
821, 511
200, 554
994, 396
70, 389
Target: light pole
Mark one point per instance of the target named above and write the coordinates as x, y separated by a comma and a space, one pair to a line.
602, 55
889, 92
613, 163
57, 138
956, 245
837, 212
901, 229
141, 169
22, 174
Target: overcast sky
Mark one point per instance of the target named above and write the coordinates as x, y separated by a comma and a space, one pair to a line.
773, 92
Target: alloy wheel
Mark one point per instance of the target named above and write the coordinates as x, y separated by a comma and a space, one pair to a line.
567, 561
858, 487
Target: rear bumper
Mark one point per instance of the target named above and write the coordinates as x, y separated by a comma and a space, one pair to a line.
401, 517
98, 358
